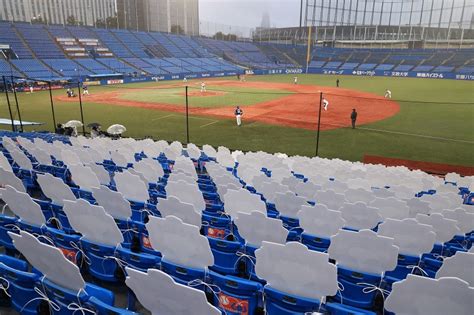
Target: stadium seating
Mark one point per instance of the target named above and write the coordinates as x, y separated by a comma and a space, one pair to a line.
54, 51
161, 230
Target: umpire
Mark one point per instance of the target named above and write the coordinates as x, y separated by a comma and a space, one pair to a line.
353, 118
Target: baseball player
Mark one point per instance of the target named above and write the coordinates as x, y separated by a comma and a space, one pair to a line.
238, 116
85, 90
185, 80
295, 80
388, 93
325, 104
203, 87
32, 89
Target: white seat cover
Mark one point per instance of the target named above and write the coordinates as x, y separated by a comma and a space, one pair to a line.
23, 206
412, 237
188, 193
242, 200
359, 194
330, 199
84, 177
306, 189
21, 159
101, 173
290, 268
320, 221
256, 227
391, 208
55, 189
93, 222
151, 169
131, 186
465, 220
180, 243
444, 228
209, 151
113, 202
359, 216
193, 151
4, 164
461, 266
49, 260
160, 294
9, 178
363, 251
288, 204
416, 206
420, 296
175, 207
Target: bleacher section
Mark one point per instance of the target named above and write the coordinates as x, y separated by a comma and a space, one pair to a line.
422, 60
170, 225
47, 51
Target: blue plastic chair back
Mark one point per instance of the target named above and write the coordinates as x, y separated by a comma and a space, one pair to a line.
405, 266
21, 284
315, 243
354, 283
236, 296
183, 275
68, 244
64, 297
225, 255
101, 267
100, 307
7, 224
139, 261
277, 302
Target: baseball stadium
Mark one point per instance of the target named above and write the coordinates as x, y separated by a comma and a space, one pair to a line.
151, 164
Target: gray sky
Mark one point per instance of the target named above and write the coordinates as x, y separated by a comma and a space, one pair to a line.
248, 13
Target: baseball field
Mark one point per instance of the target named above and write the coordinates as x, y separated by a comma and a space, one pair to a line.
426, 120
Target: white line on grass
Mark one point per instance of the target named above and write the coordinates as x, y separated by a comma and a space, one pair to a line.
162, 117
211, 123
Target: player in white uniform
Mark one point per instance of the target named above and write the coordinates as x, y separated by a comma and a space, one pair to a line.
295, 80
32, 89
185, 80
203, 87
388, 93
325, 104
238, 116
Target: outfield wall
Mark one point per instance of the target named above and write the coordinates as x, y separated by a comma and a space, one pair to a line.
398, 74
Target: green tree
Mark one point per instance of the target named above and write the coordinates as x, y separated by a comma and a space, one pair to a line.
39, 20
112, 22
177, 29
71, 20
100, 23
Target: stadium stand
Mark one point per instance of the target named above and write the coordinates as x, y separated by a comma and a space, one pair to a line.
47, 51
158, 209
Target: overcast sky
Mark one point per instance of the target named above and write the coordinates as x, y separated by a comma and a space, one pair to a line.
248, 13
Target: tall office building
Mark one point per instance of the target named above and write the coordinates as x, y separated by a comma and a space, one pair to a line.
159, 15
85, 12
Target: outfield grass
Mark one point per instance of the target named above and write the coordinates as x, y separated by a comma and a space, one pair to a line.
435, 122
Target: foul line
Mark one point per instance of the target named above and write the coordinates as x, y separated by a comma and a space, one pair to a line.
404, 133
211, 123
162, 117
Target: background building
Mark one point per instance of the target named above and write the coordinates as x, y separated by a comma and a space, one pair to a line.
83, 12
175, 16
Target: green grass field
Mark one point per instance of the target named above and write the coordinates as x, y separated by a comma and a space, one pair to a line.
435, 122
